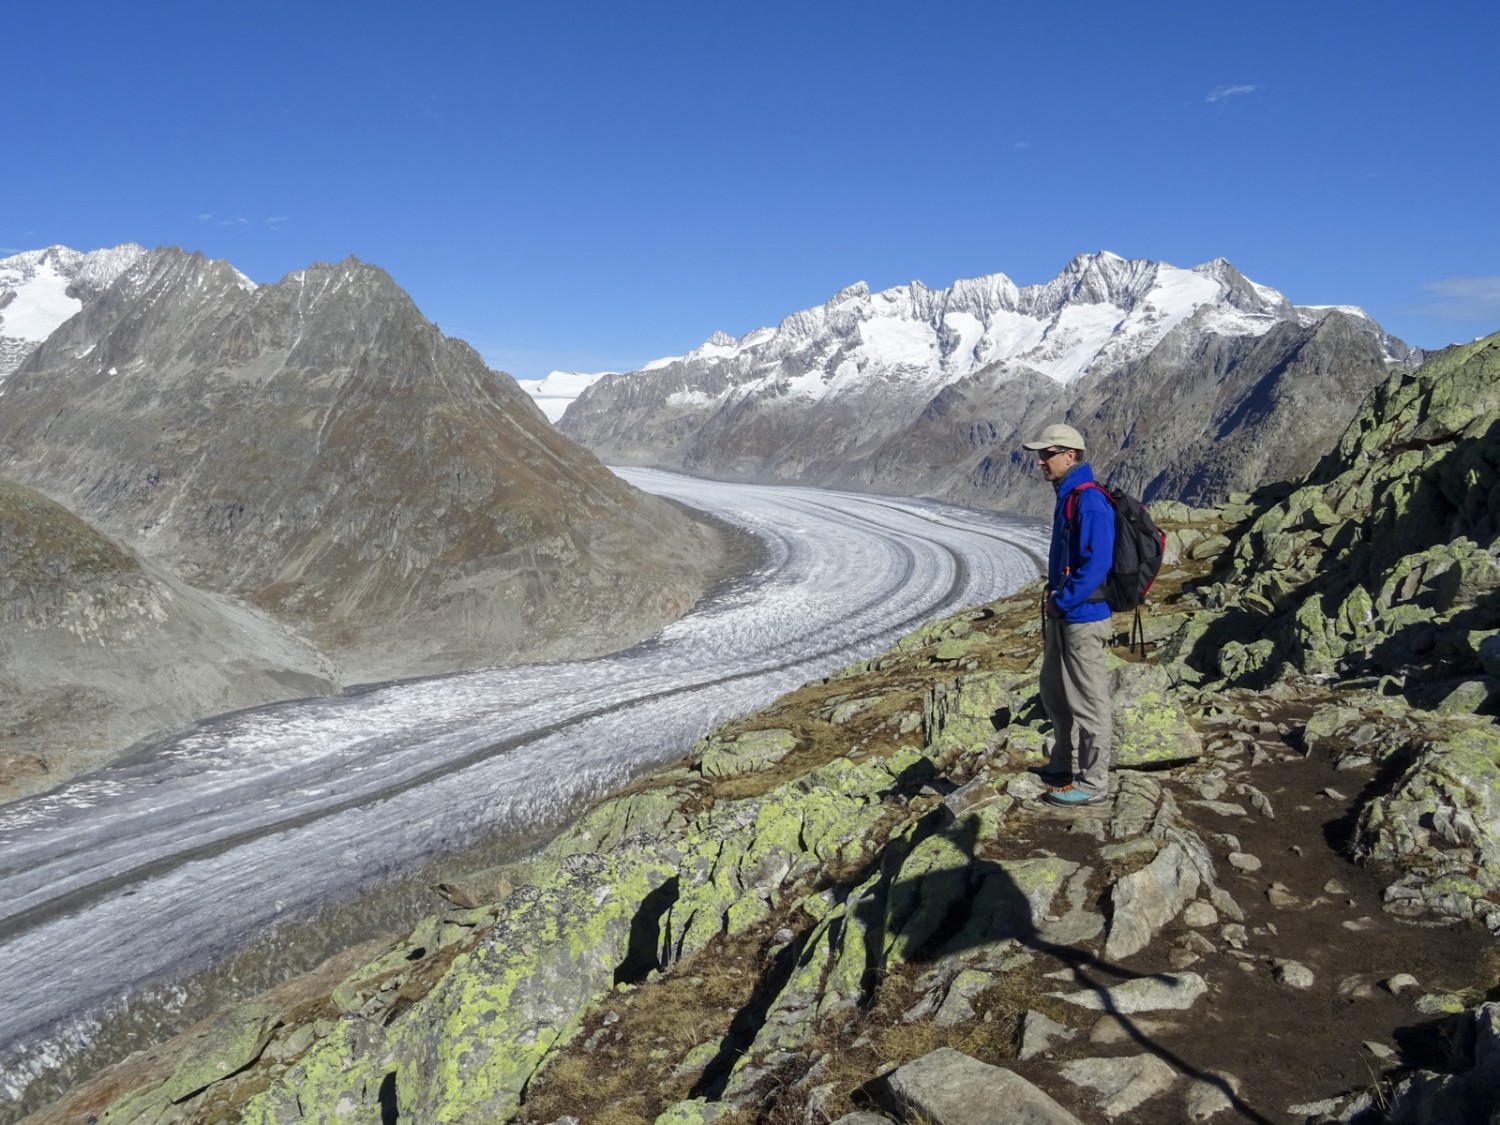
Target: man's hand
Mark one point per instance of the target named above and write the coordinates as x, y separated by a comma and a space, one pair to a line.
1049, 606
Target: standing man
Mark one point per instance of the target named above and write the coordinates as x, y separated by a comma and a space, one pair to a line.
1075, 685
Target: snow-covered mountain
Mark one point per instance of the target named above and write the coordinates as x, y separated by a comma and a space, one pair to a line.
845, 393
556, 392
39, 289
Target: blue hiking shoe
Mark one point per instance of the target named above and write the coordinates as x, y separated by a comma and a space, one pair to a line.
1072, 797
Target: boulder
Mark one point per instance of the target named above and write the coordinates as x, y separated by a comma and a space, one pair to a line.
230, 1045
1151, 727
1441, 824
1148, 899
947, 1087
1121, 1084
724, 756
1159, 993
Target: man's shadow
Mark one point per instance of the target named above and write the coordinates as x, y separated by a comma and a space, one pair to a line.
951, 913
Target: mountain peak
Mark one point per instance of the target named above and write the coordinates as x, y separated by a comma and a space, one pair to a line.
853, 292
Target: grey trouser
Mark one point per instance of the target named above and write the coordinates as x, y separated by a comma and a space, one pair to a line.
1075, 693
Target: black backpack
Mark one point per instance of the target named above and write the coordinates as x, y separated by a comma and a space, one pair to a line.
1139, 545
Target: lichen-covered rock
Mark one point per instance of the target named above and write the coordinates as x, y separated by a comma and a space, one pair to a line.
724, 756
746, 850
1441, 824
466, 1049
231, 1044
1151, 727
966, 713
699, 1111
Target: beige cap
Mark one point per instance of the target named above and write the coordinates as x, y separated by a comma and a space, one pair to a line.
1056, 434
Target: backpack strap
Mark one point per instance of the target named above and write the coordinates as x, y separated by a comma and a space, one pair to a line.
1070, 520
1070, 501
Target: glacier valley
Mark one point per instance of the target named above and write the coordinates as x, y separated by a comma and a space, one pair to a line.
120, 885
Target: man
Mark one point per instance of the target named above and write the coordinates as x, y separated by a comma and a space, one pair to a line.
1075, 685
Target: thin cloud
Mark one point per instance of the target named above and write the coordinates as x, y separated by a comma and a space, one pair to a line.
1022, 144
204, 216
1219, 93
1464, 298
275, 221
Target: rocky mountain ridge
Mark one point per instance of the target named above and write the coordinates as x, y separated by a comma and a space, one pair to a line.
930, 392
320, 452
39, 289
850, 907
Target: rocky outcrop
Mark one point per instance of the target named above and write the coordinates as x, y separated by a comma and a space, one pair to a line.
851, 907
1385, 563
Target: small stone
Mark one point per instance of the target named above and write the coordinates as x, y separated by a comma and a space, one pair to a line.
1108, 1030
1222, 808
1315, 1109
1246, 966
1294, 974
1224, 903
1357, 987
1038, 1033
1197, 943
958, 1007
1182, 959
1162, 992
1399, 983
1380, 1050
1333, 794
1281, 897
1209, 1096
1090, 826
1439, 1004
1244, 861
1199, 914
1360, 924
1234, 935
1334, 887
1296, 850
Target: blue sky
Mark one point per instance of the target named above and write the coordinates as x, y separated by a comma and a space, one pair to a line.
588, 186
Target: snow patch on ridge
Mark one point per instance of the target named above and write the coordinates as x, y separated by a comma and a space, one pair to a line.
556, 392
35, 298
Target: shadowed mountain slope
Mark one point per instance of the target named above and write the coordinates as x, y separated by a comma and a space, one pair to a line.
100, 648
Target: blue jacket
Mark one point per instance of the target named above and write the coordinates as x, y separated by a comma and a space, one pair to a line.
1080, 556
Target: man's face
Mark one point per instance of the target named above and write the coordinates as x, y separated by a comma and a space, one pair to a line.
1056, 462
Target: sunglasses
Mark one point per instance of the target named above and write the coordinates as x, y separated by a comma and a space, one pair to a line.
1048, 454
